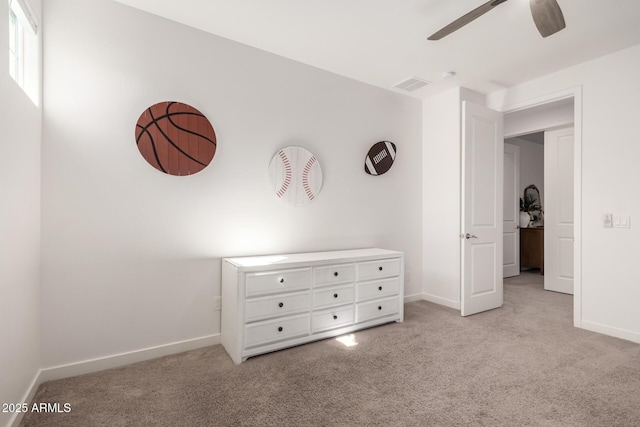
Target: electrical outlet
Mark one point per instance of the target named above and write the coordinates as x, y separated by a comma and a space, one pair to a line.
217, 303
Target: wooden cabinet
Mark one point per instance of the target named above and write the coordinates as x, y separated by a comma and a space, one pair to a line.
532, 248
278, 301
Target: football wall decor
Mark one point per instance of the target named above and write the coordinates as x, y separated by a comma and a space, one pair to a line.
380, 157
175, 138
296, 175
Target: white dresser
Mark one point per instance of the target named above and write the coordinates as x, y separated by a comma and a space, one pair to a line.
278, 301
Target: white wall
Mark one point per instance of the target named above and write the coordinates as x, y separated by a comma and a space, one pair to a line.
610, 149
131, 256
531, 165
441, 202
441, 198
19, 233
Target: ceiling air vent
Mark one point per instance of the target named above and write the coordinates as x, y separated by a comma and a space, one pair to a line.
411, 84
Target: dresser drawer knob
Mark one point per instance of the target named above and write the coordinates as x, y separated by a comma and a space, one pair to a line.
281, 305
379, 288
279, 328
335, 317
335, 295
281, 280
379, 307
380, 268
335, 273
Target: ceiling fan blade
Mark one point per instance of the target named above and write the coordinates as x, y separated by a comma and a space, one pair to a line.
548, 16
465, 19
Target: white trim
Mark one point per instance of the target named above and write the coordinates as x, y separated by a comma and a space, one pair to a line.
442, 301
576, 94
577, 208
541, 100
24, 14
412, 298
16, 418
116, 360
624, 334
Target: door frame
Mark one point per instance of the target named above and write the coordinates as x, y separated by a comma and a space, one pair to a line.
576, 94
516, 218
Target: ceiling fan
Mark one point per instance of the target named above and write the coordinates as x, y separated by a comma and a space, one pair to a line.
547, 16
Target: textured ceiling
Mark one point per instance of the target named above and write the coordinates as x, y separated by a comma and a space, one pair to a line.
383, 42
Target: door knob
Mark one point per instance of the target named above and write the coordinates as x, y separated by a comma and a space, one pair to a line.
468, 236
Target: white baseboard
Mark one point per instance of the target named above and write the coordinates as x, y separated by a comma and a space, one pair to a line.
434, 299
411, 298
624, 334
442, 301
116, 360
14, 421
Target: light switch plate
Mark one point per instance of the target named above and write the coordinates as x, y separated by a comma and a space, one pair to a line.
621, 221
607, 220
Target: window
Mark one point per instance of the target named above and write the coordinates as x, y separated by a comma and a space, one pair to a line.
24, 48
15, 49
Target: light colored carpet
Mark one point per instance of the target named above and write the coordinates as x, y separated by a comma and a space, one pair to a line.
521, 365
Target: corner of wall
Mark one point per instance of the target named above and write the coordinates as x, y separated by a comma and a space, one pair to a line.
441, 185
472, 96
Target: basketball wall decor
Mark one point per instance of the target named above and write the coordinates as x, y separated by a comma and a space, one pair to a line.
175, 138
296, 175
380, 157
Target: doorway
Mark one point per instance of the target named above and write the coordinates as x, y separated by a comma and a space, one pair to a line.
546, 113
524, 213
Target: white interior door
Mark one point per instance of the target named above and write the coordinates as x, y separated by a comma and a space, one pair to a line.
558, 211
482, 199
511, 212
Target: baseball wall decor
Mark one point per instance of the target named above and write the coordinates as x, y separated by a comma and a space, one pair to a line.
175, 138
380, 157
296, 175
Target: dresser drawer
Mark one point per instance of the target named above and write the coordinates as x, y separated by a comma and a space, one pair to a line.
268, 331
276, 305
278, 281
336, 295
378, 289
331, 318
334, 274
378, 308
378, 269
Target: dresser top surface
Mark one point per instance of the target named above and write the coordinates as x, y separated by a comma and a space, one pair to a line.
284, 260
